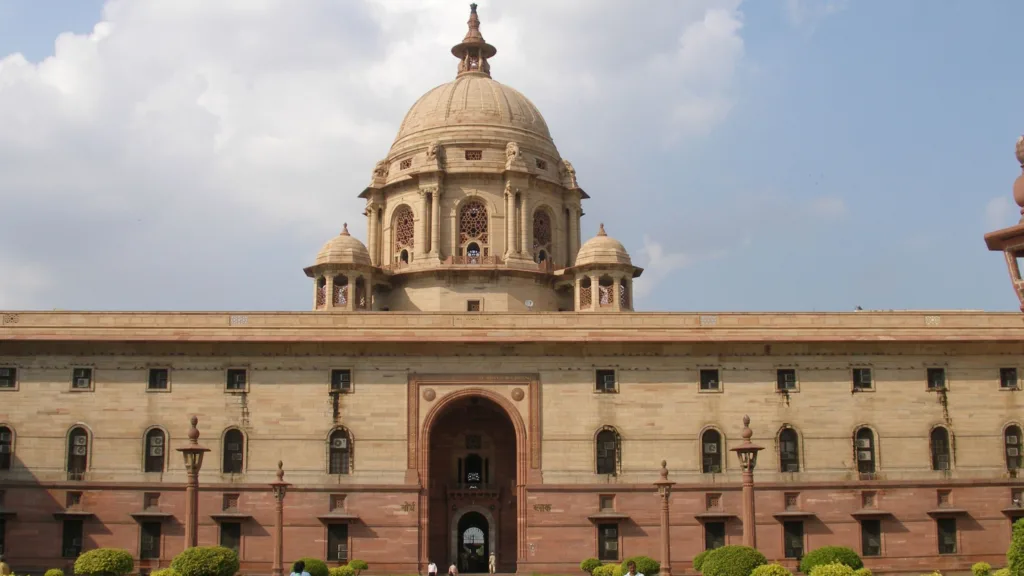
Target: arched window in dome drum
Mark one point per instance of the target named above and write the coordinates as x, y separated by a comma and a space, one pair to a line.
624, 294
361, 298
473, 229
404, 230
605, 291
542, 235
321, 292
340, 297
585, 293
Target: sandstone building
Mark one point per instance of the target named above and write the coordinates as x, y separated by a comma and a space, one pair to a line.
474, 379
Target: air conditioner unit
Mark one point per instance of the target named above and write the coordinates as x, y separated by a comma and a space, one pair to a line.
5, 372
1011, 440
609, 446
342, 553
232, 446
942, 463
156, 441
79, 451
792, 467
156, 451
339, 443
1014, 452
864, 377
81, 382
237, 457
81, 440
76, 542
863, 443
5, 436
711, 448
5, 449
864, 456
611, 546
789, 378
712, 384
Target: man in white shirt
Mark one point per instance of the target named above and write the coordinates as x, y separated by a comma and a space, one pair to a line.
431, 569
632, 569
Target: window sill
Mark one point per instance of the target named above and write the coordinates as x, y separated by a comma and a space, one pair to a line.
862, 390
158, 390
787, 391
236, 390
1001, 389
8, 388
76, 390
714, 391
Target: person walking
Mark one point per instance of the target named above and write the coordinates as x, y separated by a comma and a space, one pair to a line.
431, 568
632, 569
5, 570
453, 571
492, 563
299, 569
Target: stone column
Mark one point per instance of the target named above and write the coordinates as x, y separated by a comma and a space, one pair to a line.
193, 454
664, 490
421, 233
316, 292
747, 453
574, 234
616, 288
510, 221
373, 242
595, 293
329, 288
279, 487
435, 223
524, 227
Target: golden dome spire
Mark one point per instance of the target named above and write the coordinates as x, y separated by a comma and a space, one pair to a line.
473, 52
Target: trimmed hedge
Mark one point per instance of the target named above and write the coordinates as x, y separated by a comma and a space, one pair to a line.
315, 566
341, 571
981, 569
831, 569
1002, 572
732, 561
1015, 554
105, 562
206, 561
829, 555
358, 566
608, 570
771, 570
863, 572
161, 572
698, 560
644, 565
54, 572
589, 564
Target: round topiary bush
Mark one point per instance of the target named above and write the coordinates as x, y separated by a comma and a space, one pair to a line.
316, 567
981, 569
1015, 554
732, 561
608, 570
1002, 572
206, 561
160, 572
831, 569
357, 565
341, 571
864, 572
829, 555
771, 570
644, 565
589, 564
105, 562
54, 572
698, 560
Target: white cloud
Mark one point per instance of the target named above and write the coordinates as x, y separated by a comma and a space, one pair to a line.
660, 264
202, 143
808, 14
1001, 212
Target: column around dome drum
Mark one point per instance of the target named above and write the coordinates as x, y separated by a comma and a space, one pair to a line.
510, 221
329, 289
435, 223
371, 231
422, 218
524, 228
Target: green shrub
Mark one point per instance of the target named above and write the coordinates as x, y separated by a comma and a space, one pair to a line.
1002, 572
644, 565
831, 569
589, 564
105, 562
830, 554
732, 561
160, 572
771, 570
934, 573
698, 560
982, 569
1015, 555
863, 572
54, 572
206, 561
341, 571
315, 566
608, 570
357, 565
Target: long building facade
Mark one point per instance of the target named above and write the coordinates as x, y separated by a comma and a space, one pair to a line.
474, 379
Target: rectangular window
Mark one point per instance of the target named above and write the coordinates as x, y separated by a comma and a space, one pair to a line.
871, 537
793, 535
862, 379
605, 381
159, 378
714, 535
474, 154
71, 540
81, 379
1007, 378
337, 542
405, 164
608, 542
607, 503
8, 376
341, 380
231, 535
149, 547
785, 379
947, 535
472, 306
237, 379
542, 165
936, 378
709, 379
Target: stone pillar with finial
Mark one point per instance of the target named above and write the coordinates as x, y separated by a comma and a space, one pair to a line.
1010, 241
747, 453
664, 491
280, 487
193, 454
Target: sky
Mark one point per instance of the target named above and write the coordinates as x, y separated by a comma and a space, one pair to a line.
757, 155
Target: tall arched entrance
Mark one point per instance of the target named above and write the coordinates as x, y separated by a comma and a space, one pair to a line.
471, 486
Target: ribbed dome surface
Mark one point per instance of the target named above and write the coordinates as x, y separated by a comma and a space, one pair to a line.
473, 99
343, 249
603, 249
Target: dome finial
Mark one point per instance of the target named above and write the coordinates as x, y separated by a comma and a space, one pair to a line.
344, 229
600, 230
474, 51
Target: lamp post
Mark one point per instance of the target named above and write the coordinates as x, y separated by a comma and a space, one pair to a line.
747, 453
1010, 241
193, 454
280, 487
664, 490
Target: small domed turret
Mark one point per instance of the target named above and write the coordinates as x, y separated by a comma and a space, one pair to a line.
603, 249
604, 275
343, 262
343, 249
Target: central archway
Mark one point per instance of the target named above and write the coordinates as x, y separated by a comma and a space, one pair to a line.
473, 465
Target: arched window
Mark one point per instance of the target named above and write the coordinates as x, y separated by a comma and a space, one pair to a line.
1012, 443
362, 302
321, 292
155, 444
609, 451
711, 452
605, 291
940, 449
473, 229
340, 457
78, 453
585, 293
404, 230
6, 447
624, 302
234, 452
864, 447
542, 235
340, 297
789, 452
